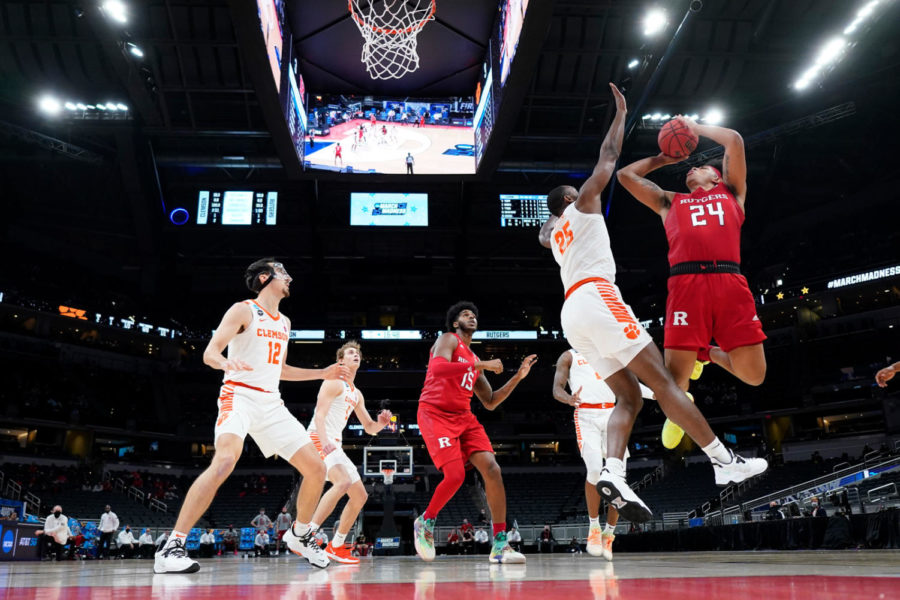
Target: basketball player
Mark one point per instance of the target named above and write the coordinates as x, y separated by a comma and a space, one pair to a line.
337, 399
337, 155
593, 402
453, 435
708, 297
256, 335
603, 329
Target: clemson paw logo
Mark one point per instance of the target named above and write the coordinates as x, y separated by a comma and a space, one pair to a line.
632, 332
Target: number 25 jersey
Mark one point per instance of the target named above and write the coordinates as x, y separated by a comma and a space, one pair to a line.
580, 245
263, 346
704, 225
451, 394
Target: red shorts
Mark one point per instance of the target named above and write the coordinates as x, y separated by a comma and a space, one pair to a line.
702, 307
452, 436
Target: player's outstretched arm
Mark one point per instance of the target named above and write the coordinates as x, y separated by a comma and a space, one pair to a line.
335, 371
734, 165
370, 425
546, 233
236, 319
563, 364
645, 191
589, 196
491, 398
886, 374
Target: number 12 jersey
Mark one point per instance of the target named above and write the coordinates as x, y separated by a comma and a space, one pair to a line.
263, 346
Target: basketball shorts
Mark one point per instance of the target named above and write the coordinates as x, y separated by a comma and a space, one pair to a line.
335, 458
600, 326
590, 431
452, 436
263, 416
703, 307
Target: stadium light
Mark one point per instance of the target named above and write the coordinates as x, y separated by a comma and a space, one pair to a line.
830, 51
135, 50
101, 107
645, 117
634, 62
70, 106
121, 106
49, 105
656, 117
116, 10
81, 106
714, 116
654, 22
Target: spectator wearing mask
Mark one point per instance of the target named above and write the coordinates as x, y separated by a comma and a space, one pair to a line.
817, 509
261, 521
230, 539
468, 540
282, 523
481, 540
546, 541
515, 539
774, 513
146, 544
453, 542
126, 542
109, 524
162, 538
261, 543
54, 535
207, 544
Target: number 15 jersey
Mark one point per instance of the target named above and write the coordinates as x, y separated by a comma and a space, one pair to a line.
263, 345
451, 394
580, 245
704, 225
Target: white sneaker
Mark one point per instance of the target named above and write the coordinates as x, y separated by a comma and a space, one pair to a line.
615, 490
595, 541
738, 469
173, 558
306, 547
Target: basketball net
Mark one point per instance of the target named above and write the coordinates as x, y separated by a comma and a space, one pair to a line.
388, 475
389, 29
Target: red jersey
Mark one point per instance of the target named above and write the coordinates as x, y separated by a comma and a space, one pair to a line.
704, 225
451, 394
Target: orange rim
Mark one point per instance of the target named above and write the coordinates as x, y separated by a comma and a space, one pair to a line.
418, 25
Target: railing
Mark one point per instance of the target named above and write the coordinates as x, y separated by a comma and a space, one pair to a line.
839, 466
135, 493
648, 479
119, 485
155, 504
13, 490
32, 503
889, 486
2, 479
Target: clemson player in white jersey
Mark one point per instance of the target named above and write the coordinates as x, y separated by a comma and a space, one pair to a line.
604, 330
337, 399
594, 403
256, 335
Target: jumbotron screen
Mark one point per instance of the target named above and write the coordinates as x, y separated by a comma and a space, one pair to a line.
237, 207
523, 210
391, 210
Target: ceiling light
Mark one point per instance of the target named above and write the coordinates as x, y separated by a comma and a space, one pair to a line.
830, 51
81, 106
656, 117
654, 22
49, 105
135, 50
121, 106
112, 106
866, 10
645, 117
70, 106
116, 10
714, 116
634, 62
101, 107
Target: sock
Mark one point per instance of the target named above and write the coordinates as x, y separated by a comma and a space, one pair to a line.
499, 528
300, 529
609, 528
176, 535
454, 475
595, 521
717, 450
313, 526
616, 467
338, 540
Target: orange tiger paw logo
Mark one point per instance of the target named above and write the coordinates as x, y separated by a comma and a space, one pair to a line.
632, 332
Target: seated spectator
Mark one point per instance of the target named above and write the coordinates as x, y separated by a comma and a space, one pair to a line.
126, 543
230, 539
361, 546
574, 547
774, 513
162, 538
817, 509
261, 543
453, 542
146, 545
468, 541
546, 541
207, 544
515, 539
482, 540
10, 516
482, 518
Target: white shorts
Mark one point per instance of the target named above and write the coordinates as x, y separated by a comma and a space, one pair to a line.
335, 458
590, 430
263, 415
602, 328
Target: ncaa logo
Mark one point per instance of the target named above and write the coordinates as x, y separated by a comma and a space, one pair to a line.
8, 541
259, 312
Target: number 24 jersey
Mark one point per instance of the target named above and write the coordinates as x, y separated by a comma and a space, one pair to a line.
704, 225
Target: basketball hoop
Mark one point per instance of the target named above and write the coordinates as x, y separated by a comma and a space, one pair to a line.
388, 476
389, 33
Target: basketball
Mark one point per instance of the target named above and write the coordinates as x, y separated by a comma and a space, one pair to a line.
676, 139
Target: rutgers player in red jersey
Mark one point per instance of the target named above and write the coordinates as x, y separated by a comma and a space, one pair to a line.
708, 297
454, 436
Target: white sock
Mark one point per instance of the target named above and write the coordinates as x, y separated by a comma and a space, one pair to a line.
595, 521
313, 526
616, 467
338, 540
176, 535
300, 529
609, 528
717, 450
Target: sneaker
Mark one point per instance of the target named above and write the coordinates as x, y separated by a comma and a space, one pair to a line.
672, 433
698, 369
738, 469
423, 536
306, 546
173, 558
341, 555
615, 490
503, 553
595, 541
607, 545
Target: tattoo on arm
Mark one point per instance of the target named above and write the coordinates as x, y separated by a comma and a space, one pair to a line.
661, 195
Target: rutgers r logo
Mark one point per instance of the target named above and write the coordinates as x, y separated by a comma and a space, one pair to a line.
444, 442
679, 318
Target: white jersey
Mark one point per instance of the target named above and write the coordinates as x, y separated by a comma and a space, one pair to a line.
338, 414
580, 245
593, 389
263, 345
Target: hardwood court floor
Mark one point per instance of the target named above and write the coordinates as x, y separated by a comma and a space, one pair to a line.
847, 575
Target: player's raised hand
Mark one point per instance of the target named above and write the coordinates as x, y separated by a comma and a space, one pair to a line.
328, 447
689, 123
525, 367
235, 365
336, 371
620, 99
494, 365
575, 399
883, 376
384, 418
665, 159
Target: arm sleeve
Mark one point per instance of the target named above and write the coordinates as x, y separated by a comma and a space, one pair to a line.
443, 368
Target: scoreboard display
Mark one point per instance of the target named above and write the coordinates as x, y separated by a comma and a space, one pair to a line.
523, 210
237, 207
